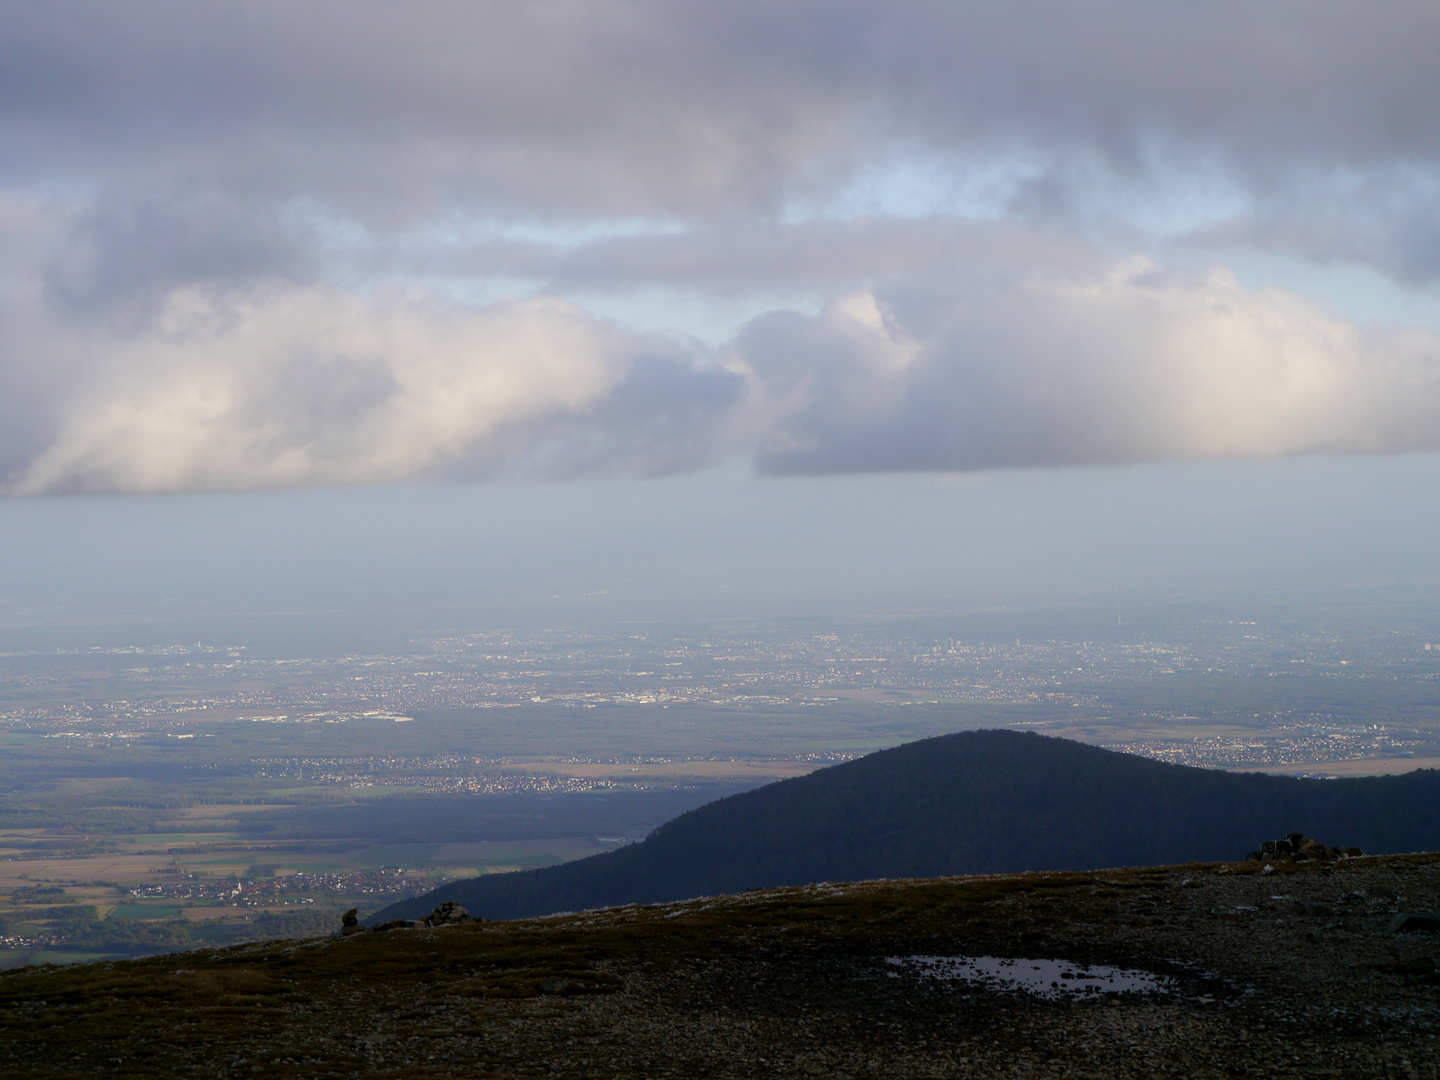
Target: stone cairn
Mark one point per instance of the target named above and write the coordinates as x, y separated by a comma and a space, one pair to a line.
1297, 847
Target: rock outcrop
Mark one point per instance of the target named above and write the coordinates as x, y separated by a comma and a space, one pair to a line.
448, 914
1297, 847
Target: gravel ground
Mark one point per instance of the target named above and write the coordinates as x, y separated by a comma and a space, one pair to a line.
1283, 974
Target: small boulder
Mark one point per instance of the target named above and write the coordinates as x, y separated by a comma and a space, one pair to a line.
1415, 922
1422, 971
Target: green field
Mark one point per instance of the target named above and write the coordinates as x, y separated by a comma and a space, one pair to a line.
407, 855
146, 911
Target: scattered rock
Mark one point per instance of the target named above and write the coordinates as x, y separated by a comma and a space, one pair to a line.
1418, 971
1313, 909
398, 924
1422, 971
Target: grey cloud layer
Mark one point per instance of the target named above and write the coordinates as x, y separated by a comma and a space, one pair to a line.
696, 107
238, 243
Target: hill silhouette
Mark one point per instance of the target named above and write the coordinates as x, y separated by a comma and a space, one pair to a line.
970, 803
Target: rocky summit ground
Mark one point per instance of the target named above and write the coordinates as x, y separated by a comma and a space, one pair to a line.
1298, 972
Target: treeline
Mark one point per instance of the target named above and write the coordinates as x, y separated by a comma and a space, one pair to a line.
84, 931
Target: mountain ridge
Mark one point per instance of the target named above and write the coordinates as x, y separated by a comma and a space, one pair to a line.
973, 802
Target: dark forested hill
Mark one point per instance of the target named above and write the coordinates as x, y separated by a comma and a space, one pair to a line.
975, 802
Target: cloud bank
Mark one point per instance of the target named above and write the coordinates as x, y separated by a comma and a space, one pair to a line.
1123, 363
272, 245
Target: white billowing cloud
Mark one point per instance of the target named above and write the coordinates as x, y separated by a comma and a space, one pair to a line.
285, 387
1000, 365
1122, 363
978, 346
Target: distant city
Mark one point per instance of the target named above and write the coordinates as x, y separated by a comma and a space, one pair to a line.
115, 694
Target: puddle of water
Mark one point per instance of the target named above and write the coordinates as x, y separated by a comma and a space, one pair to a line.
1051, 979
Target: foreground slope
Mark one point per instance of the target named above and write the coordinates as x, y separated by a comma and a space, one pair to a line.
971, 803
1290, 974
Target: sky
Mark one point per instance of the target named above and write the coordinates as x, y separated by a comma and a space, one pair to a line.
318, 304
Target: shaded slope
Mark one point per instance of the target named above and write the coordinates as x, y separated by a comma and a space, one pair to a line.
444, 819
974, 802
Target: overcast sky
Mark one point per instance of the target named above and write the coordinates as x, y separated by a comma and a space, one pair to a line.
532, 254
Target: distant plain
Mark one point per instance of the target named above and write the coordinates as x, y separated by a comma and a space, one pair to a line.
142, 776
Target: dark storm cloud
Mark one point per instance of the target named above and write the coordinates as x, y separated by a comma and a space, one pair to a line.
239, 244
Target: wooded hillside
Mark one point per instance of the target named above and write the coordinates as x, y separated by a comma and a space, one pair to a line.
968, 803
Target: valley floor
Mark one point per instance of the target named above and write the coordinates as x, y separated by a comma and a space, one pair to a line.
1292, 973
